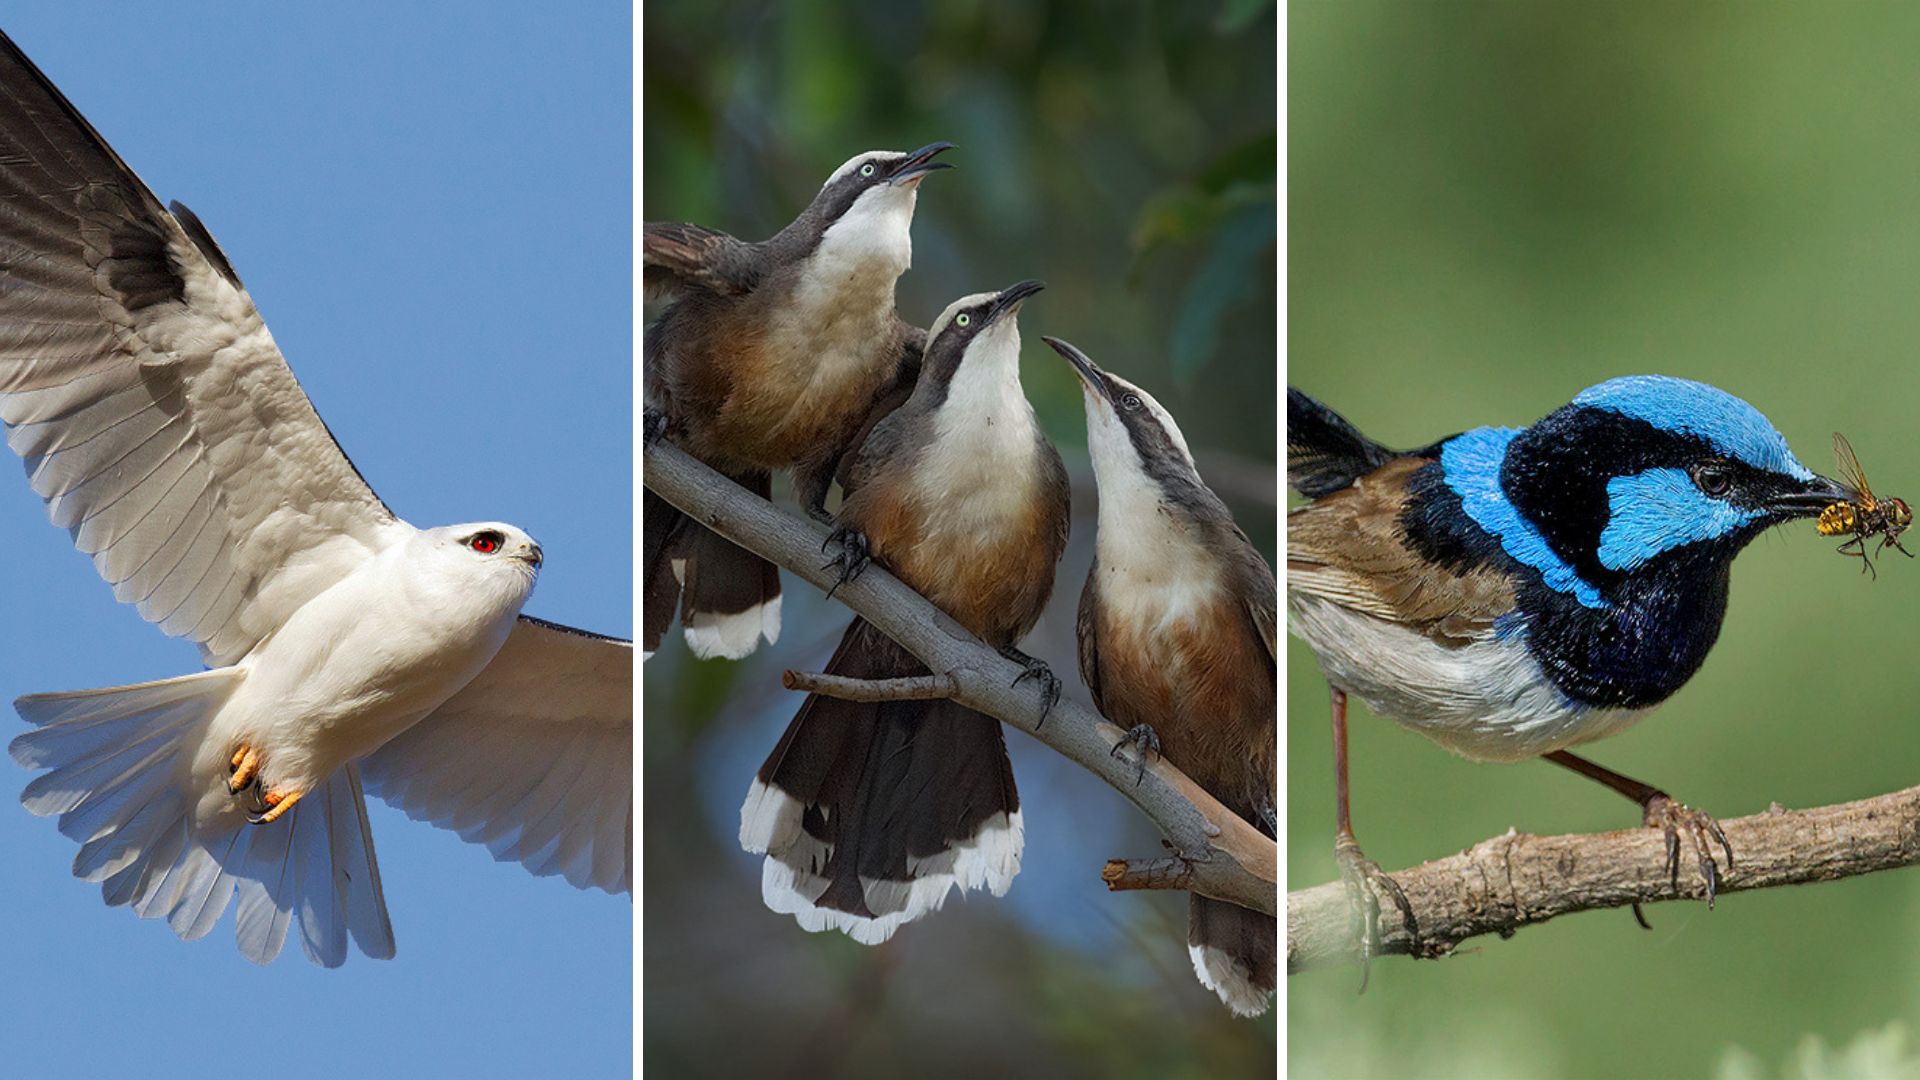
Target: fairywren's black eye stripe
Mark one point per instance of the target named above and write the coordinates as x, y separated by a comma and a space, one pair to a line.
1534, 588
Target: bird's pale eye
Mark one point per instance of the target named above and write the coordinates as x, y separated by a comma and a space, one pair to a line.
961, 320
1713, 478
1130, 402
867, 169
485, 543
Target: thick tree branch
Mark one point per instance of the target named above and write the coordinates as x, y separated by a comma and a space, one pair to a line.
1516, 880
1231, 860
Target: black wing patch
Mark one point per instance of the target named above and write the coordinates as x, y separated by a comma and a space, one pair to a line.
1324, 452
202, 239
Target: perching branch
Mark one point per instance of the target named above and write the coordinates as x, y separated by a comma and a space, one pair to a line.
1516, 880
911, 688
1123, 874
1230, 859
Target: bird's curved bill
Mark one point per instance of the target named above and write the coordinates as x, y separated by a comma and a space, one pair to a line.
1010, 299
1090, 374
918, 164
532, 555
1810, 498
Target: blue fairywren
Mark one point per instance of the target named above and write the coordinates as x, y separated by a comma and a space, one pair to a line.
1510, 593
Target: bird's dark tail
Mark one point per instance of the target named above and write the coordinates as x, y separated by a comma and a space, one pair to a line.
1235, 952
728, 597
869, 813
1324, 452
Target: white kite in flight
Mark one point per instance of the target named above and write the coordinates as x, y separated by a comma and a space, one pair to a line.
346, 649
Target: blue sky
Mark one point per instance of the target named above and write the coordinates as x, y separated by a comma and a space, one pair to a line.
431, 205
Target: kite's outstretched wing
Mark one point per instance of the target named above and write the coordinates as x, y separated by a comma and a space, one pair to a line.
155, 414
533, 758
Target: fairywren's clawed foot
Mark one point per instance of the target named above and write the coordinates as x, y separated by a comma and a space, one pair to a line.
1512, 592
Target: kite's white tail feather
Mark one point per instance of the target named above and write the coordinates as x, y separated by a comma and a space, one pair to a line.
118, 767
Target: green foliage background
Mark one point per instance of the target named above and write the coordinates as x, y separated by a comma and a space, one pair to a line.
1492, 206
1124, 153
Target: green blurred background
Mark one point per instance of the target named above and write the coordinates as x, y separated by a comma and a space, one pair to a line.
1492, 206
1123, 153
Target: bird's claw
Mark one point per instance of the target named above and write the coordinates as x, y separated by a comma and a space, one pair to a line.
1365, 881
1671, 817
1146, 739
243, 769
855, 554
655, 424
266, 807
1036, 669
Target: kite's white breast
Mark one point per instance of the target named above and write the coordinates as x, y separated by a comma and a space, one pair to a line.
362, 662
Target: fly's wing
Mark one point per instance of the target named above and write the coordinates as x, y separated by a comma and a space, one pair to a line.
155, 414
533, 758
1848, 466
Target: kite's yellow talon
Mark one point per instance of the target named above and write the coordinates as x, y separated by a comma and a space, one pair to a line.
245, 768
277, 804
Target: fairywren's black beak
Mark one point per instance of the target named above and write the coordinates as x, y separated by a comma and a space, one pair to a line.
1083, 365
1010, 299
1810, 498
919, 163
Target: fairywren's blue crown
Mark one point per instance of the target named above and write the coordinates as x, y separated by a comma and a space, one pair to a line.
1602, 486
1728, 424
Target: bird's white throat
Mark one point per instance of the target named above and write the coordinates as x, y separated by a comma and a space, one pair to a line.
981, 457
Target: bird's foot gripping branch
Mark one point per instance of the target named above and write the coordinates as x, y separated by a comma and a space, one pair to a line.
1228, 859
1514, 880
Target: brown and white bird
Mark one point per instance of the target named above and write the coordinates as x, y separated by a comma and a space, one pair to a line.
1176, 637
772, 355
869, 813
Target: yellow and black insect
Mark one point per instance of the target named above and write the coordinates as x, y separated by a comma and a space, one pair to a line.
1863, 516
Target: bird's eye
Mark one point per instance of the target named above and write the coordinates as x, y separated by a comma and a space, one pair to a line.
1130, 402
962, 319
485, 543
867, 169
1713, 477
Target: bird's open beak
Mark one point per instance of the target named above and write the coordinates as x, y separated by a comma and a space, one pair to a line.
1808, 500
1010, 299
1090, 374
918, 164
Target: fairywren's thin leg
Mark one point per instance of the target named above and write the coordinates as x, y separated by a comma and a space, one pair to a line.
1659, 810
1364, 879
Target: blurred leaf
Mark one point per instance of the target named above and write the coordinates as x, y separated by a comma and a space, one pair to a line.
1237, 15
1230, 275
1241, 176
1883, 1054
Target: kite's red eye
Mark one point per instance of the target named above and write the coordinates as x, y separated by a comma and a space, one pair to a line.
485, 543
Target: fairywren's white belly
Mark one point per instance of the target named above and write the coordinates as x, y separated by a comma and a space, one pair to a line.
1487, 701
